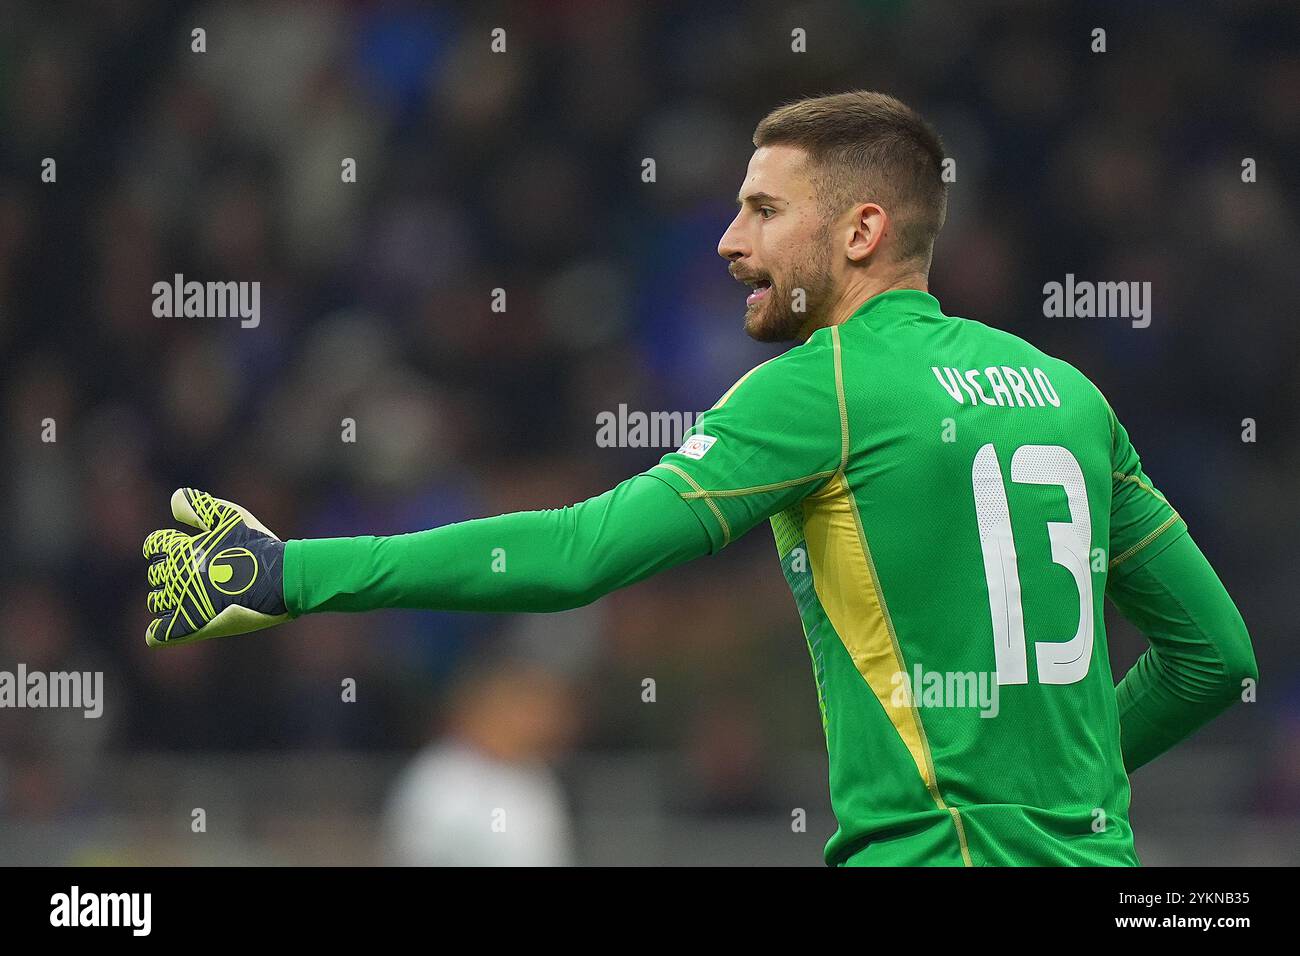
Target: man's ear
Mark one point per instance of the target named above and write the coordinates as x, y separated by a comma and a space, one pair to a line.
868, 226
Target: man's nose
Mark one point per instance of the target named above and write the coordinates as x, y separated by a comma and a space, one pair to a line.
732, 245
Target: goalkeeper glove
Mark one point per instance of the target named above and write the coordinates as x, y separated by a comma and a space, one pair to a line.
228, 579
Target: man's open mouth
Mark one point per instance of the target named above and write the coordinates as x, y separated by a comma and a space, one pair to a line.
760, 287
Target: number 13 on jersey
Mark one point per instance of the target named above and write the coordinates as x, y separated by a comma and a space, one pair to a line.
1058, 662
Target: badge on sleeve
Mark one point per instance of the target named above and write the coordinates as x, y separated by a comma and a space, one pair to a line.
697, 446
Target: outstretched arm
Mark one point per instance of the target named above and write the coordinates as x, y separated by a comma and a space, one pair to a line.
235, 576
527, 561
772, 439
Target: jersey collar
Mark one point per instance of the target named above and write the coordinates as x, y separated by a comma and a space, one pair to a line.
898, 302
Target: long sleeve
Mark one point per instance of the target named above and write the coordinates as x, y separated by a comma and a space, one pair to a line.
527, 561
1200, 652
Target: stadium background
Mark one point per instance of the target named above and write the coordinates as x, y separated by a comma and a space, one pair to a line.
522, 171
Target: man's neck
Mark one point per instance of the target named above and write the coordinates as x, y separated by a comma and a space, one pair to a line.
851, 299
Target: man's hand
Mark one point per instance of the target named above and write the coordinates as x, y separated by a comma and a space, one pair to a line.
228, 579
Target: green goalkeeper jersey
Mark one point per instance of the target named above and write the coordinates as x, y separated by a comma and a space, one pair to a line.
948, 504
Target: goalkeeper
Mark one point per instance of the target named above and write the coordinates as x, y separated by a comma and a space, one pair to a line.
944, 497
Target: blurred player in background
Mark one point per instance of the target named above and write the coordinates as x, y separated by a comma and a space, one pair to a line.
505, 721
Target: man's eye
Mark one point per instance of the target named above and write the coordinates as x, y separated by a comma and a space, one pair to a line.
767, 212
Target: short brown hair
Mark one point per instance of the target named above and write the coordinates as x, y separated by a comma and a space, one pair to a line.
869, 147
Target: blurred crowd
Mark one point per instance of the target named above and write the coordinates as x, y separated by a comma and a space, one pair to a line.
522, 171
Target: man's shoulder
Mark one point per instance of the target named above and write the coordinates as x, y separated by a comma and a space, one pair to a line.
997, 337
809, 366
996, 343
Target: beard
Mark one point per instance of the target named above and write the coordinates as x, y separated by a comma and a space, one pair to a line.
774, 318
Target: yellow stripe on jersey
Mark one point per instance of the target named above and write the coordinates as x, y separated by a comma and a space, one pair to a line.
839, 395
845, 580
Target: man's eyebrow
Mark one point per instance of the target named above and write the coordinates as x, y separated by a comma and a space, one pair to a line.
758, 199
